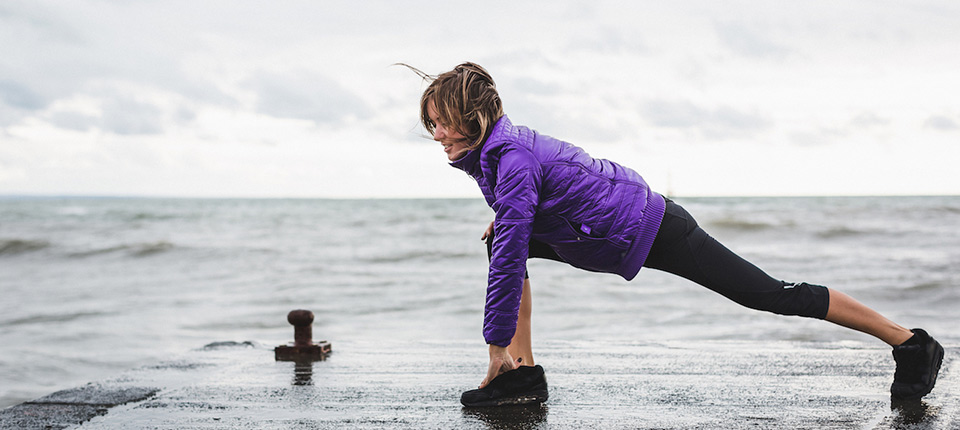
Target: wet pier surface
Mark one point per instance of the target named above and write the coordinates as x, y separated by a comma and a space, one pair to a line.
592, 385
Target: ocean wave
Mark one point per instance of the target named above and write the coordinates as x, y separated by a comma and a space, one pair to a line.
135, 250
149, 216
839, 232
73, 211
51, 318
147, 249
21, 246
740, 224
929, 286
951, 209
98, 251
417, 255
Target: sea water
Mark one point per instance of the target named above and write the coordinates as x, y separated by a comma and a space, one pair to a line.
93, 286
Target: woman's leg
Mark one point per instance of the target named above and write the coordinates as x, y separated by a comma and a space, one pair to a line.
684, 249
521, 344
846, 311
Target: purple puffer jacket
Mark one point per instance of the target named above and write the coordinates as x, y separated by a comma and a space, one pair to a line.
596, 214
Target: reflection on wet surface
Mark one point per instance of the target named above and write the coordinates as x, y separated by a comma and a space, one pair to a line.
915, 414
303, 372
510, 417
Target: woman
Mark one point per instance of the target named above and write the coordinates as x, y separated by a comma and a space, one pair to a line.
552, 200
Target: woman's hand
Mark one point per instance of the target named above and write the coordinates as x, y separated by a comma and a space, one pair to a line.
500, 362
487, 232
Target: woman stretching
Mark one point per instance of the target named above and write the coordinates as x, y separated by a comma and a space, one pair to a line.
552, 200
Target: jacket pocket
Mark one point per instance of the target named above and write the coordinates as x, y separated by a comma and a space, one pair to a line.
581, 246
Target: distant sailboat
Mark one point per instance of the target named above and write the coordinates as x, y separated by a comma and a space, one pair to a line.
670, 194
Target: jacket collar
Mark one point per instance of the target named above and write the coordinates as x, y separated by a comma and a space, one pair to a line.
470, 163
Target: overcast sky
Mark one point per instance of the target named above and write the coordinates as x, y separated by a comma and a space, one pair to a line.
299, 98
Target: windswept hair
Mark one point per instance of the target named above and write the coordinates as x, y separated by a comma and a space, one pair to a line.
467, 101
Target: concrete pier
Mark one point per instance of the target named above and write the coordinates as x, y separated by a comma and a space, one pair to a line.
375, 385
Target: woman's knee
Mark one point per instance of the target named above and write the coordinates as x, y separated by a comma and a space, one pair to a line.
801, 299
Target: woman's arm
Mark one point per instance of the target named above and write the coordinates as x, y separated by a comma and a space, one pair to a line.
516, 197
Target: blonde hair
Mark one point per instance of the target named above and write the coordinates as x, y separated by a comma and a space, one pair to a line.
466, 99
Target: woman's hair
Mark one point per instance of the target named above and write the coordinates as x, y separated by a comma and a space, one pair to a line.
467, 101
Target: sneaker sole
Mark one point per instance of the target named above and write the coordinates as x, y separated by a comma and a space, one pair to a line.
933, 381
530, 397
936, 371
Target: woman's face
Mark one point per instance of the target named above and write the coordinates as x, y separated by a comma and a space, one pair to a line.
454, 144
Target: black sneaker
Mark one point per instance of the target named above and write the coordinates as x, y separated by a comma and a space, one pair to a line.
520, 386
918, 363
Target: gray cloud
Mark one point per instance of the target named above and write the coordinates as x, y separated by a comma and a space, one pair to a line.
36, 18
532, 86
720, 123
868, 119
574, 126
39, 53
817, 137
18, 95
748, 42
941, 123
673, 114
77, 121
607, 41
305, 95
124, 116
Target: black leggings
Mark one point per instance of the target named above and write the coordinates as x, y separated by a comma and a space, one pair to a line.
684, 249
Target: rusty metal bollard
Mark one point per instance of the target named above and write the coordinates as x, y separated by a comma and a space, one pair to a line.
303, 348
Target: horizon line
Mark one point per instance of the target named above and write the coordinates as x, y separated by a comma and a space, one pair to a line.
14, 196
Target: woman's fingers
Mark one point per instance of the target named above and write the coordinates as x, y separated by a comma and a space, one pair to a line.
487, 232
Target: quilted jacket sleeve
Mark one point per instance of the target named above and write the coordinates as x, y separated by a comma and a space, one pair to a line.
516, 194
